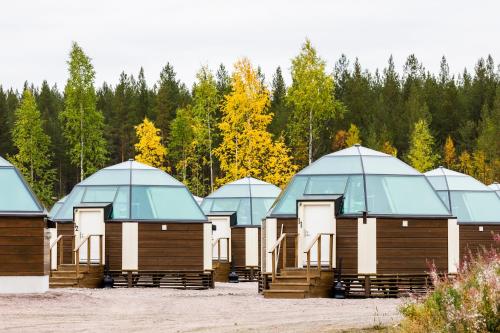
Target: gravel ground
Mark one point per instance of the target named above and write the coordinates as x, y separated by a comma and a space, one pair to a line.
227, 308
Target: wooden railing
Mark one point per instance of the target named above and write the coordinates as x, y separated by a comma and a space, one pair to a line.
60, 248
278, 247
218, 243
317, 240
76, 252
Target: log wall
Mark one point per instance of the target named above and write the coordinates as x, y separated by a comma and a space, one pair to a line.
24, 247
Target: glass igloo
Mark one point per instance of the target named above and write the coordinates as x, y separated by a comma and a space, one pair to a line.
15, 195
250, 198
495, 187
468, 199
370, 181
55, 208
137, 192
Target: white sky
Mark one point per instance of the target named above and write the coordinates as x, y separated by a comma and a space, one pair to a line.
35, 36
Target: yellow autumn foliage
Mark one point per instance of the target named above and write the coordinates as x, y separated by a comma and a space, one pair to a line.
149, 148
247, 148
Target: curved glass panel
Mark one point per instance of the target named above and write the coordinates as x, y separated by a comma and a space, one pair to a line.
55, 208
234, 191
100, 194
286, 203
326, 185
465, 183
206, 205
445, 198
329, 165
260, 207
265, 191
108, 177
387, 165
153, 177
354, 198
164, 203
121, 204
73, 199
402, 195
438, 182
476, 206
225, 205
14, 195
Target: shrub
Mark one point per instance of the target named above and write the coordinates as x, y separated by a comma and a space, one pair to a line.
467, 302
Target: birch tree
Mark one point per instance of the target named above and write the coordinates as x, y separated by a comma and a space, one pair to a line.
82, 123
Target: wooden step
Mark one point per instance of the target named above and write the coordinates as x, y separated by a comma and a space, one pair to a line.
70, 274
63, 285
295, 279
304, 286
288, 294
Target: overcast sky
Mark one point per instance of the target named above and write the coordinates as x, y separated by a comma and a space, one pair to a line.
35, 36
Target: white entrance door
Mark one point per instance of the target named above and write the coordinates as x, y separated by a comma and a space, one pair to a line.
89, 222
222, 230
315, 218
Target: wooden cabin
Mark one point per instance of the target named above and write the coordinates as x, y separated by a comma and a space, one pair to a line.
361, 216
141, 223
476, 206
236, 211
24, 238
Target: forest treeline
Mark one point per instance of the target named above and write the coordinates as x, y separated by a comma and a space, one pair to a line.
235, 122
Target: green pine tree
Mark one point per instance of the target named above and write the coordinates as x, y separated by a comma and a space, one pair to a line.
33, 157
279, 107
83, 124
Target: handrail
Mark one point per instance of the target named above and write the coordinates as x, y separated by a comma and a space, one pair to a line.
277, 247
60, 246
317, 240
76, 251
82, 241
56, 241
277, 243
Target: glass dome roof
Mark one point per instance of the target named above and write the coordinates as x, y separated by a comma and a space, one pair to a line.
369, 180
55, 208
250, 198
137, 191
496, 187
15, 195
467, 198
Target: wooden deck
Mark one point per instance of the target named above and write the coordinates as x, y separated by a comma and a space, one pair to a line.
164, 279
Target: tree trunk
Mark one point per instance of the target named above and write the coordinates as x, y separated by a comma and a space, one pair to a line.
81, 141
310, 135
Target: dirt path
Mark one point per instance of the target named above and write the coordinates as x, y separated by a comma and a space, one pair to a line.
227, 308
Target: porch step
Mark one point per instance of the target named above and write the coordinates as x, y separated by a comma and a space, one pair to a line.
65, 276
285, 293
221, 270
295, 279
302, 286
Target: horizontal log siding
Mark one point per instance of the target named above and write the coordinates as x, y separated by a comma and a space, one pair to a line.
347, 244
24, 249
113, 241
473, 240
180, 247
410, 250
290, 227
238, 250
66, 229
